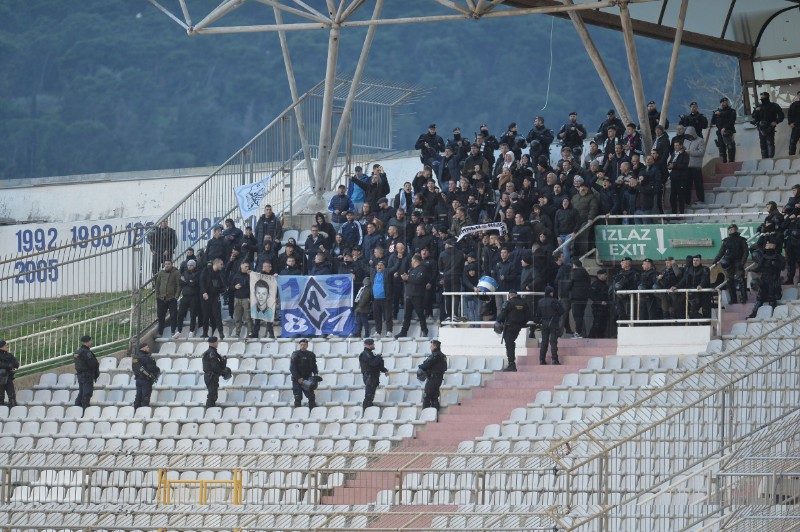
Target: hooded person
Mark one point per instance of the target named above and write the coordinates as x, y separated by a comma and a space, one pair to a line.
695, 146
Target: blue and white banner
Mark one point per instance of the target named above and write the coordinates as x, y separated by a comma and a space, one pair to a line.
250, 196
316, 305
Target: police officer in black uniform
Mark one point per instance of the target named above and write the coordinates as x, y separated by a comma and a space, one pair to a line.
146, 372
766, 117
432, 371
670, 276
732, 256
8, 366
371, 368
649, 309
87, 369
725, 120
513, 316
626, 279
695, 275
548, 315
791, 231
214, 367
303, 366
770, 265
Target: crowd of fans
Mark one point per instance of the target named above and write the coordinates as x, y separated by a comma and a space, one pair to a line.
403, 246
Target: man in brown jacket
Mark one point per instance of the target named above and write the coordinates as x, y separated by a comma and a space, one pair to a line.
168, 287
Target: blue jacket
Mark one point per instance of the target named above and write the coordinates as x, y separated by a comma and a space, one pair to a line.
357, 193
341, 204
352, 233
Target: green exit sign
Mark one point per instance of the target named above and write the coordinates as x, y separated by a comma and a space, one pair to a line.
657, 242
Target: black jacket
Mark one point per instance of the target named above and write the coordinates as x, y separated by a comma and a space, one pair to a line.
417, 279
793, 116
726, 119
213, 363
371, 363
680, 166
212, 283
303, 364
435, 365
435, 147
190, 283
86, 362
515, 311
144, 367
735, 246
579, 284
767, 113
572, 138
217, 248
268, 226
242, 279
548, 312
696, 120
9, 363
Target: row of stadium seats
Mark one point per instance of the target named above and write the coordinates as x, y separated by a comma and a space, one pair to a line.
766, 166
766, 183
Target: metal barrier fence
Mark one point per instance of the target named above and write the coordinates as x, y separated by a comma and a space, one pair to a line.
636, 304
50, 298
668, 433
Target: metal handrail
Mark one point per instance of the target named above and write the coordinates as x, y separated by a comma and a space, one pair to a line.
634, 319
462, 295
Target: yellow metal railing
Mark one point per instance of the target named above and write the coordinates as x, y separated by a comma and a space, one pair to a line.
197, 491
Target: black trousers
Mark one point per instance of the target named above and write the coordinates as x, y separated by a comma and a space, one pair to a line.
767, 141
162, 305
549, 336
415, 305
190, 305
578, 311
696, 181
371, 382
382, 312
677, 196
7, 389
85, 389
447, 308
510, 333
144, 388
299, 392
212, 314
727, 146
430, 398
212, 385
600, 321
794, 138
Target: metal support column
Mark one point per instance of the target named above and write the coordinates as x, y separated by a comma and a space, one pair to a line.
351, 94
298, 113
326, 121
673, 62
599, 64
636, 75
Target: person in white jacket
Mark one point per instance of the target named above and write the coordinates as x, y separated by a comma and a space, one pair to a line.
696, 148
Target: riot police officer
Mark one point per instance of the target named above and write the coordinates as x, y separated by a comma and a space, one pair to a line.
732, 256
371, 368
770, 265
548, 315
626, 279
8, 366
766, 117
791, 225
146, 372
87, 369
725, 120
648, 304
669, 277
513, 316
214, 367
695, 275
432, 372
598, 294
303, 366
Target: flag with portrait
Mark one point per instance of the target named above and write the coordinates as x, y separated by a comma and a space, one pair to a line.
263, 296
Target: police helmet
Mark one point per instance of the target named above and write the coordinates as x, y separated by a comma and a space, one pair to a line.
312, 383
498, 327
227, 374
725, 262
421, 375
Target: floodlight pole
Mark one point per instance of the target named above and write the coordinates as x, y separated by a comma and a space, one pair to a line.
673, 62
599, 64
636, 75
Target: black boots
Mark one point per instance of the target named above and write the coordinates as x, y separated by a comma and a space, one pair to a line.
512, 366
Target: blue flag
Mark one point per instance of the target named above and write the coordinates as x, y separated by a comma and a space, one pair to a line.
316, 306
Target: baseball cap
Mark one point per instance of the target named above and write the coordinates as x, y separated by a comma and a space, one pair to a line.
3, 343
85, 338
369, 341
213, 339
142, 345
431, 126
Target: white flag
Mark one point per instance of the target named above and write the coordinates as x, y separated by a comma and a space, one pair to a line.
250, 196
